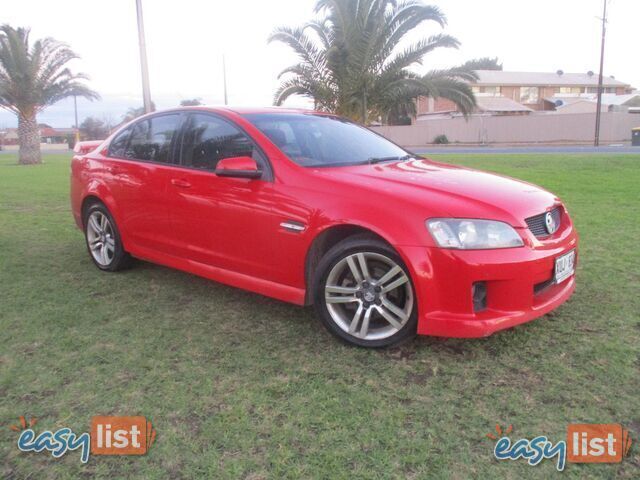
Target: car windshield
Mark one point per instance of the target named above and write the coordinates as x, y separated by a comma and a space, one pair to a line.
313, 140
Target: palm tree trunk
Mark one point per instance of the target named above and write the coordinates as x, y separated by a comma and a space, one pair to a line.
29, 139
364, 108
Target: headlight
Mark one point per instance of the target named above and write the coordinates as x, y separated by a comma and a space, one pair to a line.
469, 234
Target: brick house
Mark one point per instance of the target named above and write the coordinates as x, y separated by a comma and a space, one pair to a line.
48, 135
532, 91
55, 135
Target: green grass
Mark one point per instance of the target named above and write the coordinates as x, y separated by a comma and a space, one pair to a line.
241, 386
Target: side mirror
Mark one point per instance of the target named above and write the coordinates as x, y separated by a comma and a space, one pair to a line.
239, 167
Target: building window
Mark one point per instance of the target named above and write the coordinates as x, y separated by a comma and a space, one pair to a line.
570, 90
529, 94
486, 91
604, 90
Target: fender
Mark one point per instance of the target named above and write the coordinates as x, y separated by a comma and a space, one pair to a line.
97, 188
403, 253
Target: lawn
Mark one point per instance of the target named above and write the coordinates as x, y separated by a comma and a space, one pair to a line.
241, 386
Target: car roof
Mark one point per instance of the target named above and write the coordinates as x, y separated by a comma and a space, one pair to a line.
250, 110
221, 109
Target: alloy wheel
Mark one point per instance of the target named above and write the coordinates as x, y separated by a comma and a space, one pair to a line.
369, 296
100, 238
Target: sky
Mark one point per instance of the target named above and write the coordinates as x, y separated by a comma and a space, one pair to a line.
186, 41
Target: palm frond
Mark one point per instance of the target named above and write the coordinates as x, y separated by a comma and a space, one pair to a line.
414, 53
322, 31
454, 89
304, 47
405, 18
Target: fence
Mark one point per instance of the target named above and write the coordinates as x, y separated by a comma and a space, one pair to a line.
43, 146
615, 127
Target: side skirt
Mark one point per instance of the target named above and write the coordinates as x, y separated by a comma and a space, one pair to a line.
267, 288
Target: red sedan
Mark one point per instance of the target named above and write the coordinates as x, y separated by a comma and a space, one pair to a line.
311, 208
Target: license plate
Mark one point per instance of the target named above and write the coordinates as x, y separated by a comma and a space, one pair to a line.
565, 266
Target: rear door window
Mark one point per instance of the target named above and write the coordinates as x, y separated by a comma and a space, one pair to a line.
152, 139
118, 146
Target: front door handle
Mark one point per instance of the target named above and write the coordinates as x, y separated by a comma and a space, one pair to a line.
178, 182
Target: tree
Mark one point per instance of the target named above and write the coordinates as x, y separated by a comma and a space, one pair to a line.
136, 112
33, 77
484, 63
355, 60
193, 102
93, 129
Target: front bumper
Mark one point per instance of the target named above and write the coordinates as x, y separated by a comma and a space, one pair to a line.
519, 283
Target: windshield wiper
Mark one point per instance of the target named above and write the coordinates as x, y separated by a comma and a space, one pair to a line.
373, 160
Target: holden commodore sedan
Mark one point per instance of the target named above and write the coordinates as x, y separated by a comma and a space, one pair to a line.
310, 208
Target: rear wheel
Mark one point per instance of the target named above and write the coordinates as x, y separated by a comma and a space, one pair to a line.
363, 293
103, 239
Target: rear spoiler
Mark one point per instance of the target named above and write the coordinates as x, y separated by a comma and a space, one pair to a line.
82, 148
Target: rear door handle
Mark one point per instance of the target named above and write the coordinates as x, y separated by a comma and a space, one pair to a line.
177, 182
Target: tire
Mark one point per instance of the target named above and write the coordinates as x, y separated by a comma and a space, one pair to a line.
373, 308
103, 240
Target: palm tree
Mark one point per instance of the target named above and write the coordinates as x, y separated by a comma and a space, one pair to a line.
32, 77
354, 59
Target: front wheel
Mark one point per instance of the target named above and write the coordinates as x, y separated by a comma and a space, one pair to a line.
363, 293
103, 239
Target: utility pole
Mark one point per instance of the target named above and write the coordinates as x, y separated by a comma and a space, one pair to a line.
224, 78
146, 94
596, 141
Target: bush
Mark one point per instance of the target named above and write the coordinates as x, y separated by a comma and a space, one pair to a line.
441, 140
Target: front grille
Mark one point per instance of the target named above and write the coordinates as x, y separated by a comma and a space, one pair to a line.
538, 225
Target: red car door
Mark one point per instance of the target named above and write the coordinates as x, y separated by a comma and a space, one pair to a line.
139, 166
220, 221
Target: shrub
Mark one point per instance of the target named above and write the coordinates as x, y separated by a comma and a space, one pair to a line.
441, 139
